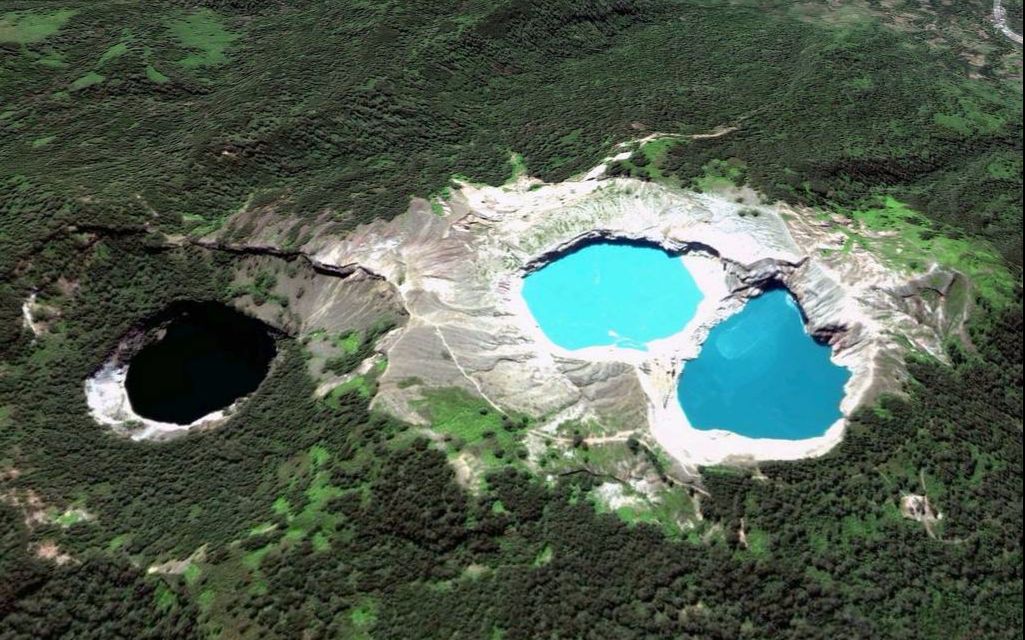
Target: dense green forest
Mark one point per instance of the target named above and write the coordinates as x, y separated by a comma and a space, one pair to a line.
123, 125
174, 115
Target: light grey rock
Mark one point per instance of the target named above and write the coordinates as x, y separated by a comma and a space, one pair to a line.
458, 277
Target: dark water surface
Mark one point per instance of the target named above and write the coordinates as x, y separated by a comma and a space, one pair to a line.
210, 356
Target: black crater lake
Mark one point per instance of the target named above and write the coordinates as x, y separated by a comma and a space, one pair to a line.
209, 356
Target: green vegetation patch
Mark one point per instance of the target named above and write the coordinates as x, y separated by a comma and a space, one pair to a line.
203, 32
118, 541
364, 385
757, 542
460, 414
545, 556
252, 559
192, 573
87, 80
25, 27
357, 384
356, 346
517, 167
281, 506
633, 514
165, 598
468, 421
319, 455
907, 239
364, 615
349, 342
114, 52
647, 161
52, 60
720, 174
71, 517
260, 288
654, 153
967, 113
671, 509
320, 541
155, 76
205, 599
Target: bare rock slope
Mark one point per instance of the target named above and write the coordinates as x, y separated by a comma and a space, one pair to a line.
458, 276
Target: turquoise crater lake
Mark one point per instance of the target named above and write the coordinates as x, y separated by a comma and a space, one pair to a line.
761, 375
612, 293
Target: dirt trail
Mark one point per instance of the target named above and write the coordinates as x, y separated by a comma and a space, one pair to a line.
621, 436
455, 361
721, 131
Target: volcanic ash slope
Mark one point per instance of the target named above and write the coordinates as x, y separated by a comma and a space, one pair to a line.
459, 276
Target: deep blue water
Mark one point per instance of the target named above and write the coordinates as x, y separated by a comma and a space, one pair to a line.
607, 293
761, 375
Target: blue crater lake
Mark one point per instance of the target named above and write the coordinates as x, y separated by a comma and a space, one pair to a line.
761, 375
612, 293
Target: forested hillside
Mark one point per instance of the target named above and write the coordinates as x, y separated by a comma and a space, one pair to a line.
126, 130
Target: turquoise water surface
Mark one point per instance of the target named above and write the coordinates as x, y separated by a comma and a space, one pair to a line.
761, 375
608, 293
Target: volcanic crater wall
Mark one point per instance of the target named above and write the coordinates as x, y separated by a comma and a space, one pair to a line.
458, 276
452, 285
